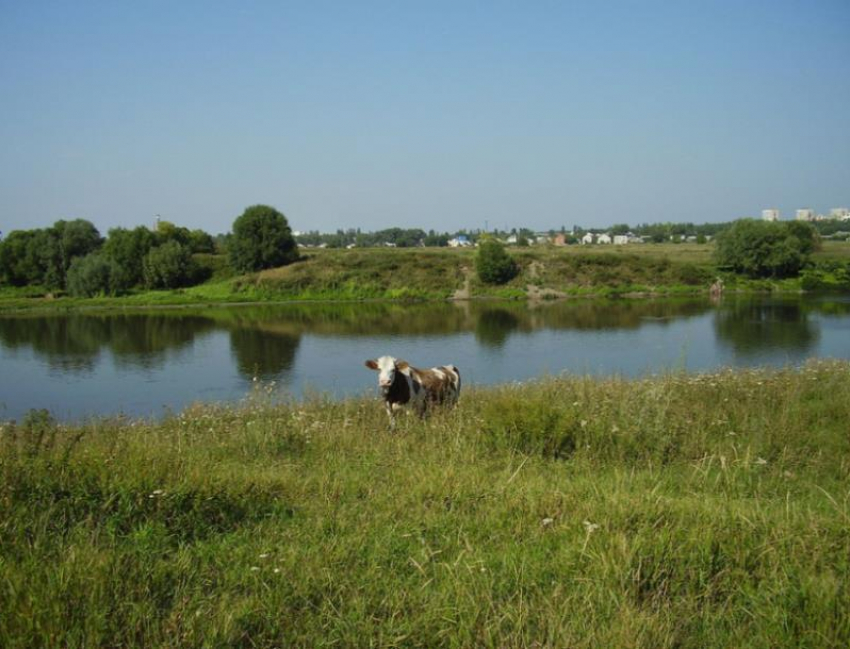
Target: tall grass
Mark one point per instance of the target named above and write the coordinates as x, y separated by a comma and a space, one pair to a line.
681, 510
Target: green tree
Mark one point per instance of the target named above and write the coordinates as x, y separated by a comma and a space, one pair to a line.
261, 239
766, 249
77, 239
201, 242
167, 231
168, 266
19, 262
128, 248
493, 264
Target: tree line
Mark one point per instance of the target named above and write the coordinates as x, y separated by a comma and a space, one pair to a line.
72, 256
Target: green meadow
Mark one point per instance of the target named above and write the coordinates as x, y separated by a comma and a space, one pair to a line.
681, 510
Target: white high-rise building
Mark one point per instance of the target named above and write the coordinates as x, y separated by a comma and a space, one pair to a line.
770, 215
806, 214
840, 213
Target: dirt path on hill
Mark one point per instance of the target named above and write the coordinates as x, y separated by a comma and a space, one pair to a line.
465, 292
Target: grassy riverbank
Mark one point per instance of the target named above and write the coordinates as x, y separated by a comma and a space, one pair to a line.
685, 511
436, 274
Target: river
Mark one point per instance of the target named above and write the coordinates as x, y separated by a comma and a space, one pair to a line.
149, 362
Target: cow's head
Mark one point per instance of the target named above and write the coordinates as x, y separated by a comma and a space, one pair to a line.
386, 366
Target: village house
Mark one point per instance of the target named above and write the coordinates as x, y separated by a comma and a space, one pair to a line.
587, 238
603, 238
460, 241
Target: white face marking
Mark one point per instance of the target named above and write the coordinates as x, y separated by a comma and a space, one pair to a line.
386, 371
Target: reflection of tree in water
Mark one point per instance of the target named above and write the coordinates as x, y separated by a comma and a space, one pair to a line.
263, 354
68, 343
754, 327
73, 343
144, 341
494, 325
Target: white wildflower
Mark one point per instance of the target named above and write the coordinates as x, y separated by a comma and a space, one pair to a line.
548, 521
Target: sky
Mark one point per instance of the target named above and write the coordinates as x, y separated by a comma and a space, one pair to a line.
438, 115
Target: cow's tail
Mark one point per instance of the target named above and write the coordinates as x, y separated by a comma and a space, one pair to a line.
456, 372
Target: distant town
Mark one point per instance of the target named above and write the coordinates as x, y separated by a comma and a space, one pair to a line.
808, 214
834, 225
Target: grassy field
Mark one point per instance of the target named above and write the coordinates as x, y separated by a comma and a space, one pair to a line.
441, 273
678, 511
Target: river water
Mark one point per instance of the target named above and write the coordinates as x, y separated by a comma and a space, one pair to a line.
146, 363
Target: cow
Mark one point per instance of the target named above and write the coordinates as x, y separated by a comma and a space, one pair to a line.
404, 385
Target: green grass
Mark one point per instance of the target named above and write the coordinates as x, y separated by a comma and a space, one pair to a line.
678, 511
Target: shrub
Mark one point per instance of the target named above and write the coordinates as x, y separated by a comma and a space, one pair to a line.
168, 266
95, 274
261, 239
493, 264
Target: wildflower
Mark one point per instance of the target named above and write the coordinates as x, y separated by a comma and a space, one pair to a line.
264, 555
276, 570
761, 461
583, 423
590, 527
548, 521
254, 568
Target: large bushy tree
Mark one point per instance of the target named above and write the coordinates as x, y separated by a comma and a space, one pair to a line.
20, 263
43, 256
765, 248
128, 249
261, 239
493, 264
168, 266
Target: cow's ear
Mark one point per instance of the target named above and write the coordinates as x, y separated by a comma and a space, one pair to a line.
401, 365
372, 365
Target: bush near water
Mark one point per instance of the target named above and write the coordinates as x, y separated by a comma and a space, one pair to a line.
678, 511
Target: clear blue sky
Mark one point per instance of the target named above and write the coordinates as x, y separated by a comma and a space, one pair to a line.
431, 114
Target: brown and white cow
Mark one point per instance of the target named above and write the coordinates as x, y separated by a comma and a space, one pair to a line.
404, 385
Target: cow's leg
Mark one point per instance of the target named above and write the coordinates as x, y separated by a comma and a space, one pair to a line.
390, 414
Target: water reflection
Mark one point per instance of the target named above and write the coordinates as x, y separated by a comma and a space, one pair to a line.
73, 343
752, 327
264, 340
263, 354
494, 325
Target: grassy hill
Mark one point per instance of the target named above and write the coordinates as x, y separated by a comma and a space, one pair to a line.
434, 273
679, 511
